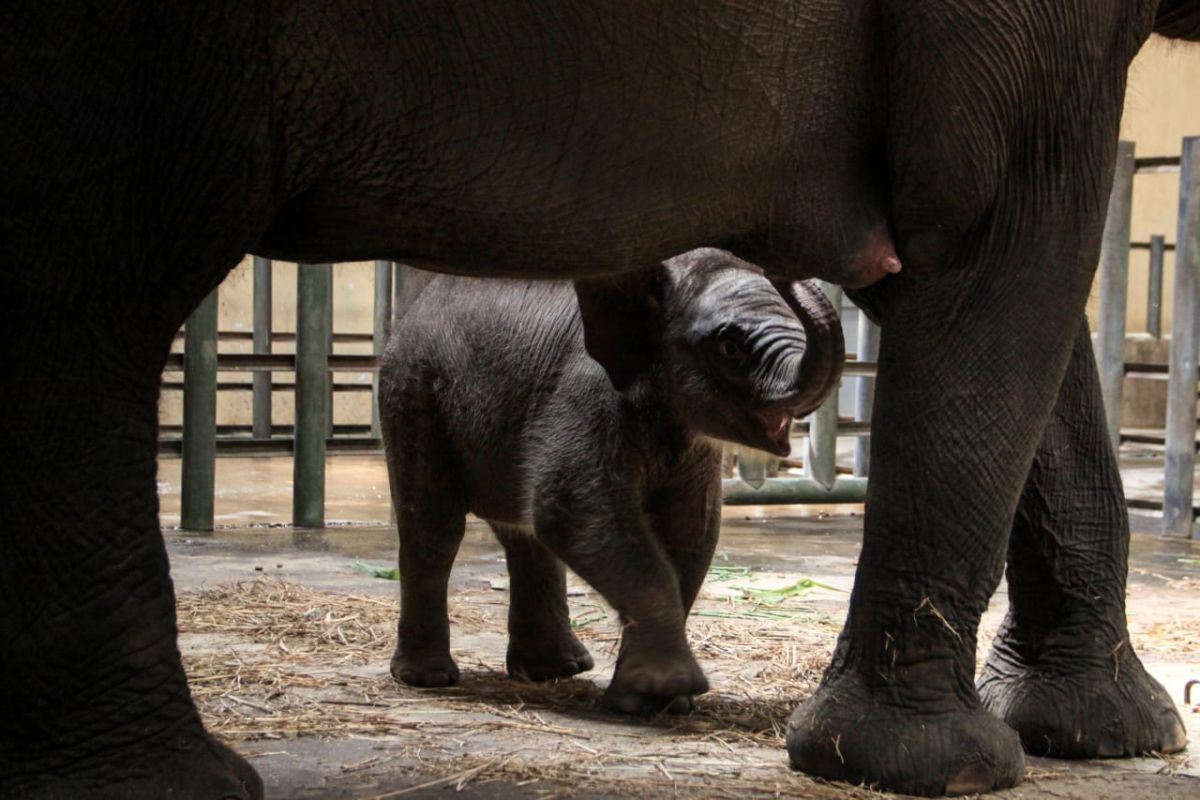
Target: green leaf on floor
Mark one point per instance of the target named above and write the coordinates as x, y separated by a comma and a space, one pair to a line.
388, 574
772, 597
1195, 562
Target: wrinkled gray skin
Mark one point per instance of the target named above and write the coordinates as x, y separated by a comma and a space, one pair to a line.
146, 146
490, 404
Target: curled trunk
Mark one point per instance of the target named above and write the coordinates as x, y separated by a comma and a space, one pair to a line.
826, 352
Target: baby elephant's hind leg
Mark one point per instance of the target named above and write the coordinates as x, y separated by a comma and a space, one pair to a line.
540, 642
431, 508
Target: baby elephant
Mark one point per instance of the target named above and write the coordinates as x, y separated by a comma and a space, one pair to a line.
490, 404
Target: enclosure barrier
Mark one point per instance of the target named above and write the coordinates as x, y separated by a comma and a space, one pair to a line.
312, 363
1179, 477
314, 433
1180, 434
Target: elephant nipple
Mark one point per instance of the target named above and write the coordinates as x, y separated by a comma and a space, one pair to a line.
874, 261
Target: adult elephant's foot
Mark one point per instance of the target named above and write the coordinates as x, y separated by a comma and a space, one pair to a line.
187, 768
425, 668
1062, 671
1067, 705
851, 732
648, 681
543, 661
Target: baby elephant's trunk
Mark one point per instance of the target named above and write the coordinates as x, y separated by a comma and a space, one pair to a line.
826, 349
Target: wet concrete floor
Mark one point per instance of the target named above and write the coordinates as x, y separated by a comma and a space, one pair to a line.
254, 503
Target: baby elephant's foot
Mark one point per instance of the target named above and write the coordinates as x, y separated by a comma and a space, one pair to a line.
543, 661
424, 668
1068, 705
645, 685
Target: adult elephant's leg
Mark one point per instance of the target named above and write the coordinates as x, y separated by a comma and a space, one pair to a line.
95, 701
997, 210
970, 363
1062, 671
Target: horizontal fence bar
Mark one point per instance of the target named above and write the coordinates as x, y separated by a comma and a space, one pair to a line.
1143, 504
247, 446
1167, 247
852, 429
285, 336
1156, 164
791, 491
242, 386
1148, 438
277, 362
352, 362
278, 429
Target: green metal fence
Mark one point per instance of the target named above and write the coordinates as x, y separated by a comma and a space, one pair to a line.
314, 434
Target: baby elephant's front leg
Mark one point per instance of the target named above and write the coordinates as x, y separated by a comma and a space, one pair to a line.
610, 546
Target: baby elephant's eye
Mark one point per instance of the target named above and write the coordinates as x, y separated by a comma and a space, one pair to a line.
729, 349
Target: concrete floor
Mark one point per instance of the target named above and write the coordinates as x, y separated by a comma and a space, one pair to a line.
253, 505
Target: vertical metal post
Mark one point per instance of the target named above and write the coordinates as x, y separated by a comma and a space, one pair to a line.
329, 350
400, 282
383, 323
312, 394
1114, 292
864, 394
1154, 290
820, 455
1179, 478
261, 401
199, 416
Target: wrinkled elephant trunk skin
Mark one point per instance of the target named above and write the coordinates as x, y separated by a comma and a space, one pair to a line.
1065, 631
825, 355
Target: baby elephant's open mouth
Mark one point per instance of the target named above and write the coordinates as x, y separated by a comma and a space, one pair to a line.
776, 428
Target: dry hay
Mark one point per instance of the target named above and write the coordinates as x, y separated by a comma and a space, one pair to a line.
1171, 637
273, 660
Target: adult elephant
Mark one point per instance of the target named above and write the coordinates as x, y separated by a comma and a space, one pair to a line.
145, 147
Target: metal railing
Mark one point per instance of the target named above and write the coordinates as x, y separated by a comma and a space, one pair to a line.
313, 362
1180, 435
313, 432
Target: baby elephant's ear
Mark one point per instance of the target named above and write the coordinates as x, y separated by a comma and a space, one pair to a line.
623, 321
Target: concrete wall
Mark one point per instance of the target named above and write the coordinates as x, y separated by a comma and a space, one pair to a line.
1162, 106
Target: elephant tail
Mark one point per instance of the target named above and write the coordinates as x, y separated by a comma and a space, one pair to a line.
1178, 19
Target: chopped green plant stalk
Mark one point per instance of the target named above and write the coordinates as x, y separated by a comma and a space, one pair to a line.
388, 574
773, 616
587, 619
770, 597
723, 573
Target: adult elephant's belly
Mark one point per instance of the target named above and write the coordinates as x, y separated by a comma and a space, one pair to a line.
537, 236
497, 158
